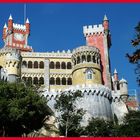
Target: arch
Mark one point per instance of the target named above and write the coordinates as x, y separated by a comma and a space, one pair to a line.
51, 65
30, 64
41, 81
35, 81
52, 81
63, 65
89, 58
41, 65
57, 65
69, 81
29, 80
57, 81
78, 59
35, 64
63, 81
69, 66
83, 58
24, 64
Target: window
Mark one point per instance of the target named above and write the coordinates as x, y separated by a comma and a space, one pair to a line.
63, 65
24, 64
35, 81
89, 74
69, 81
57, 81
41, 80
41, 65
83, 58
51, 65
30, 64
57, 65
63, 81
52, 81
88, 58
35, 64
69, 65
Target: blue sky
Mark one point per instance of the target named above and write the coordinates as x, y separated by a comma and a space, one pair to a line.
59, 27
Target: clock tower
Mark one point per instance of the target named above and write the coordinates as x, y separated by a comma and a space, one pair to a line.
16, 35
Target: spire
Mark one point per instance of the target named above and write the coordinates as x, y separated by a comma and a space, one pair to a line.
27, 20
10, 17
115, 71
105, 17
5, 26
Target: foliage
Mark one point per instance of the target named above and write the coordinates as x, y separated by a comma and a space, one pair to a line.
99, 128
135, 57
21, 109
131, 125
70, 117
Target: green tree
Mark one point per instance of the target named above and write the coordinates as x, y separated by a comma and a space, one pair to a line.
21, 109
99, 128
131, 125
135, 56
69, 116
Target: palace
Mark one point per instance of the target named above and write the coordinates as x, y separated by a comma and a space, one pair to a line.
86, 68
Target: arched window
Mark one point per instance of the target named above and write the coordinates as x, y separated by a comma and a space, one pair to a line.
41, 65
57, 65
29, 80
89, 74
83, 58
69, 65
89, 58
35, 81
57, 81
52, 81
63, 65
63, 81
41, 81
69, 82
35, 64
24, 64
30, 64
74, 61
51, 65
78, 59
24, 79
93, 59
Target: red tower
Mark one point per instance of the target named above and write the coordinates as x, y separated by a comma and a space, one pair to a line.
16, 35
99, 36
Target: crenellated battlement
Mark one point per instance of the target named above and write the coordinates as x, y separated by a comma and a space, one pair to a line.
7, 50
19, 27
93, 29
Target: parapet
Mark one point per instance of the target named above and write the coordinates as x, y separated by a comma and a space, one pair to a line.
93, 29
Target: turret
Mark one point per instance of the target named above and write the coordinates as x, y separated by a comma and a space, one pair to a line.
106, 23
86, 66
10, 24
4, 32
27, 24
123, 89
115, 81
